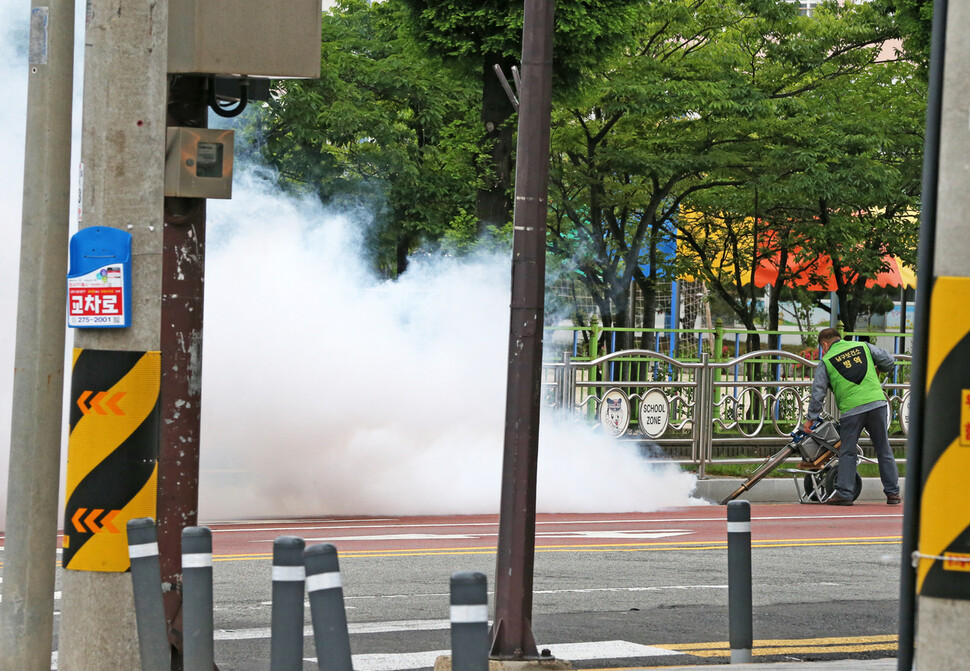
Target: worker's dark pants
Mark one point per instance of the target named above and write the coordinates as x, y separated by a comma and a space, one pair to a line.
876, 423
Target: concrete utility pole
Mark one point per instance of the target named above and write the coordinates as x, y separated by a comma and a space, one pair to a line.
512, 637
942, 577
123, 154
26, 612
917, 401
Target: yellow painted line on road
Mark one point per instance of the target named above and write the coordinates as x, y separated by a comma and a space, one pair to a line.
767, 648
618, 548
630, 547
793, 650
788, 642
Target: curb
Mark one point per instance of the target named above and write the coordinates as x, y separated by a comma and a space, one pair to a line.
779, 490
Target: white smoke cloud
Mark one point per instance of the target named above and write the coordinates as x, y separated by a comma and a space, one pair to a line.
328, 391
14, 34
325, 389
13, 114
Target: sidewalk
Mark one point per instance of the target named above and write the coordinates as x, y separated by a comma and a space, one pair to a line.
780, 490
888, 664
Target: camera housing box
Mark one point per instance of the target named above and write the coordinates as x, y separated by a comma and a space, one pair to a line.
245, 37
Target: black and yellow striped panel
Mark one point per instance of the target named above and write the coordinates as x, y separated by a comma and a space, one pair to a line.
112, 454
945, 515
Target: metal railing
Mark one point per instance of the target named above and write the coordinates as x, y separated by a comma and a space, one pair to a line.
701, 411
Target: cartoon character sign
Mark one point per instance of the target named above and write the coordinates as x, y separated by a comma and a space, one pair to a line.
615, 413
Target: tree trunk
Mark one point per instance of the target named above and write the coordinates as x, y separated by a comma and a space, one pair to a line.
754, 370
623, 319
754, 338
774, 339
401, 253
493, 204
648, 289
848, 311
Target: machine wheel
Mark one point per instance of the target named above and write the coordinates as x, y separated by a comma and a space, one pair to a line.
827, 486
809, 486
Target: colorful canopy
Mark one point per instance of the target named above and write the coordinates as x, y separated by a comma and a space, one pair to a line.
817, 275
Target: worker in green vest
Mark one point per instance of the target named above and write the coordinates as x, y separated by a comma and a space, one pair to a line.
849, 369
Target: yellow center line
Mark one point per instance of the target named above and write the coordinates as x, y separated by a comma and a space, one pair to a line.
615, 547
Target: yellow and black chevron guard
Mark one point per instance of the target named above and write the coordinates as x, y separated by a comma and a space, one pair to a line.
112, 455
945, 514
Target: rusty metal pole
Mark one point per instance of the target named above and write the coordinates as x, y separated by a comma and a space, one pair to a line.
512, 632
183, 273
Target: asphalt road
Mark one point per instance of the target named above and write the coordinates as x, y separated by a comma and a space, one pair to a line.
611, 591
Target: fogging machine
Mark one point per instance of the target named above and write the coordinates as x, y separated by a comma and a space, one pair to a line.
818, 468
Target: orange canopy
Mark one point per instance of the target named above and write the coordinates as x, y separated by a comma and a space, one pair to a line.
817, 275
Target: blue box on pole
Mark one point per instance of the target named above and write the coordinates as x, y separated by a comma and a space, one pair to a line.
99, 279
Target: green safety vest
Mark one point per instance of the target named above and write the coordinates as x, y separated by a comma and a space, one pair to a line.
852, 374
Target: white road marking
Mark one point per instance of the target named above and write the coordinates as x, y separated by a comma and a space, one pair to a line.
714, 520
393, 537
577, 590
619, 534
607, 650
353, 628
587, 590
606, 534
292, 526
570, 651
394, 662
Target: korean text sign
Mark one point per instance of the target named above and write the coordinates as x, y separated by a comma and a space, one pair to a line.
99, 279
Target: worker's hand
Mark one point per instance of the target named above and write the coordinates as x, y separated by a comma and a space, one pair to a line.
807, 427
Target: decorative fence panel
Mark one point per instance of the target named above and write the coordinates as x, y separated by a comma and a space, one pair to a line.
703, 411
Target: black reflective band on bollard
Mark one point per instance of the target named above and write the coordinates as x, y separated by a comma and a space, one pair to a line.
197, 646
739, 581
146, 582
289, 578
327, 610
469, 621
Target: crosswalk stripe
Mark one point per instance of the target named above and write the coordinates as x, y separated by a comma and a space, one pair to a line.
353, 628
571, 651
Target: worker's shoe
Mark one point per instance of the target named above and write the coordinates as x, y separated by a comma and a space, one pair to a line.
893, 499
836, 500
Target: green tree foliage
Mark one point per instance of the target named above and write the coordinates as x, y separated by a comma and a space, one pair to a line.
870, 211
744, 130
640, 137
477, 35
385, 126
915, 18
845, 169
749, 115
